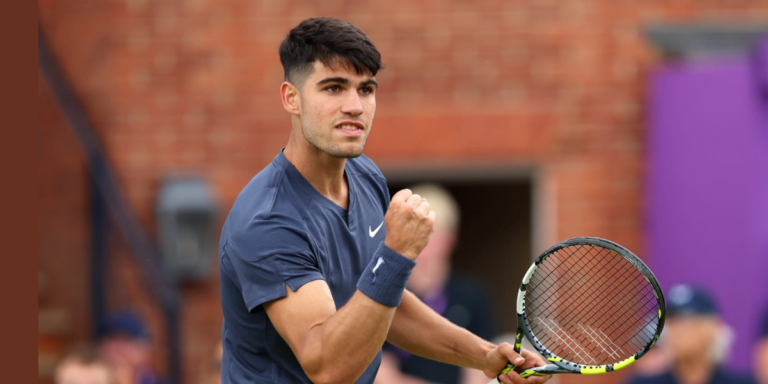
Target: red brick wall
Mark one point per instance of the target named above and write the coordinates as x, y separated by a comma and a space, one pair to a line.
193, 85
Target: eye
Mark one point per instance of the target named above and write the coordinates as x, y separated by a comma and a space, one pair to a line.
333, 89
366, 90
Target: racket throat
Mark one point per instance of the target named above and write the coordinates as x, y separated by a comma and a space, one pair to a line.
544, 371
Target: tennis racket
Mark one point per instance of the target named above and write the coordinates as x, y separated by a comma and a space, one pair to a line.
589, 306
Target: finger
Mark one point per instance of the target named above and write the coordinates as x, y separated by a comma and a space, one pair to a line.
531, 359
537, 379
432, 215
505, 350
402, 195
514, 377
414, 200
423, 207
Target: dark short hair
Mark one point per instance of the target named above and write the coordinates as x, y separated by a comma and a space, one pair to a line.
330, 40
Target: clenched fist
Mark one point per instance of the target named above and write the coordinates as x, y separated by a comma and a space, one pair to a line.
409, 223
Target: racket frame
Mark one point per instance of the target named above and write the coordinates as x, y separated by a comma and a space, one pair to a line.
558, 364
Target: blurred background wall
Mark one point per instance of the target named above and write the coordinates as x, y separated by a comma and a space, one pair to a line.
544, 98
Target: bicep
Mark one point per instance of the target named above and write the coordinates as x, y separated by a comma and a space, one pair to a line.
299, 312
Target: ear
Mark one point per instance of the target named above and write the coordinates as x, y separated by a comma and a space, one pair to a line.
290, 98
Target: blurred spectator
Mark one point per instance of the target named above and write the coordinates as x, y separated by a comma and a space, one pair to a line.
696, 340
459, 299
83, 366
125, 344
655, 361
761, 351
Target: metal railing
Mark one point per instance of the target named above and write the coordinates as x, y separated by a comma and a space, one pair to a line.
108, 202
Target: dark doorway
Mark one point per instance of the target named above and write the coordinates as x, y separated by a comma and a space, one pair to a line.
495, 235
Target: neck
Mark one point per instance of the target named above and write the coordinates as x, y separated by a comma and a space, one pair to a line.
324, 172
693, 371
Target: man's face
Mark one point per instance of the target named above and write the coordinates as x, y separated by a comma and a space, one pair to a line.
691, 337
337, 107
125, 351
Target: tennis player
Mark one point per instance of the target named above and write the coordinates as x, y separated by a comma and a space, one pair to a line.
314, 256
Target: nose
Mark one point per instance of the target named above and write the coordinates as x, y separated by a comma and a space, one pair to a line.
352, 105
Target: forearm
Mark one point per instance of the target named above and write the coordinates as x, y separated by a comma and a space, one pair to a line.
338, 345
343, 346
418, 329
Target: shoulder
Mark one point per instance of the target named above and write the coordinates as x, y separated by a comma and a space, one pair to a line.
264, 213
272, 192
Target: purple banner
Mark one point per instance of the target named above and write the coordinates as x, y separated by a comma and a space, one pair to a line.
707, 186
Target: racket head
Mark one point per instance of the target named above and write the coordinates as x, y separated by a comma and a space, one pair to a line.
590, 306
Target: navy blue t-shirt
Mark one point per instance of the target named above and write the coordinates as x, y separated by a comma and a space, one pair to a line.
282, 231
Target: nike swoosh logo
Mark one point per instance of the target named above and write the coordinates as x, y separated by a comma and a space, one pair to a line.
373, 233
378, 264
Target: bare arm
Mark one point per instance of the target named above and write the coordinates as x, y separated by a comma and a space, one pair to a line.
418, 329
337, 346
321, 337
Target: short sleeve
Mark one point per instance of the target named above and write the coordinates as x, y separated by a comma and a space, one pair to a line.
268, 255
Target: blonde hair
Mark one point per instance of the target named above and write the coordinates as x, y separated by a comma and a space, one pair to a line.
440, 201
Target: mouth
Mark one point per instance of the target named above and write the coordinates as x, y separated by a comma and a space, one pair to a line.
352, 128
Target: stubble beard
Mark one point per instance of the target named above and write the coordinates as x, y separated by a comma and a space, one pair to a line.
333, 149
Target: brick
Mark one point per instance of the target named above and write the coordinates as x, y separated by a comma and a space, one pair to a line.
194, 86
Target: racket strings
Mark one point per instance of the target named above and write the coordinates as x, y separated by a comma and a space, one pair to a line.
613, 294
591, 306
595, 339
598, 322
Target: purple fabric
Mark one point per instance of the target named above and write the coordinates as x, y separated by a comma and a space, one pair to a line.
707, 194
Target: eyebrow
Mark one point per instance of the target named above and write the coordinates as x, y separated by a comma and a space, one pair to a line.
345, 81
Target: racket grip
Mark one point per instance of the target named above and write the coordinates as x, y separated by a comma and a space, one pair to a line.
510, 366
506, 369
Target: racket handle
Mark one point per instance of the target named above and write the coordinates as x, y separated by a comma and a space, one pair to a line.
510, 366
506, 369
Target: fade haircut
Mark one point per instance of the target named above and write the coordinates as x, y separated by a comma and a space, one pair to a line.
333, 42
